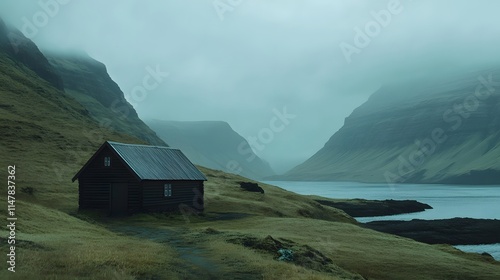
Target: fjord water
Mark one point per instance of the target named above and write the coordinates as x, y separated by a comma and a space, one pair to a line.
448, 201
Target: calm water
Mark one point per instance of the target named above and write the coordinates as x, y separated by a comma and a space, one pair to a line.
448, 201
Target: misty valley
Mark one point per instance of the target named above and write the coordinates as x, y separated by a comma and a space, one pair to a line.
250, 139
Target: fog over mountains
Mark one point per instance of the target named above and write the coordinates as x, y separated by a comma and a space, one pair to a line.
445, 131
320, 59
251, 88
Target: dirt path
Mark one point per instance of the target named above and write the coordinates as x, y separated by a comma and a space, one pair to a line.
196, 261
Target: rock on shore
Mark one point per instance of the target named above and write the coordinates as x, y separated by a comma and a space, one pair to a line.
456, 231
373, 208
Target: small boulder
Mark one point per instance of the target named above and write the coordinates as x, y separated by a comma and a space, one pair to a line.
251, 187
210, 230
488, 256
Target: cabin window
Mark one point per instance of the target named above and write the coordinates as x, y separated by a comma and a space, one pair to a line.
167, 190
107, 161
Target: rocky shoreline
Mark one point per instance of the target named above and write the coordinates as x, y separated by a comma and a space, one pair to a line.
372, 208
456, 231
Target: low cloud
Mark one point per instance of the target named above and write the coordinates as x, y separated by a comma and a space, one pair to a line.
265, 55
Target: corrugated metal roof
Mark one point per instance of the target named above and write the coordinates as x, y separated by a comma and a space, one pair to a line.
157, 163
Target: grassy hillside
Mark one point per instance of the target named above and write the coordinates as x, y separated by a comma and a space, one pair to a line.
48, 136
213, 144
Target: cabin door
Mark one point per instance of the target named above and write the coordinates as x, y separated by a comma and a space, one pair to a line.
119, 199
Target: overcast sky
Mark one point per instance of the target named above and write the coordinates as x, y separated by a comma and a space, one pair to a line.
241, 60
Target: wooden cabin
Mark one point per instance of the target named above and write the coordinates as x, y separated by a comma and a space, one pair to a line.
125, 178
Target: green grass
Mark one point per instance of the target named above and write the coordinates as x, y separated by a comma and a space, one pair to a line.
53, 244
371, 254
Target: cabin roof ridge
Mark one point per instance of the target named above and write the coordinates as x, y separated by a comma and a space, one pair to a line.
151, 162
141, 145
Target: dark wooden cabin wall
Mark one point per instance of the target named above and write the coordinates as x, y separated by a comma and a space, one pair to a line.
94, 183
93, 196
189, 193
134, 196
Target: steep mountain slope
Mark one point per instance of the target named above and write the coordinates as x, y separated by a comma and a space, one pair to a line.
433, 132
212, 144
38, 122
88, 82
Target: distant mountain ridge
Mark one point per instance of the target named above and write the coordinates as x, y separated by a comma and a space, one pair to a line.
212, 144
432, 132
